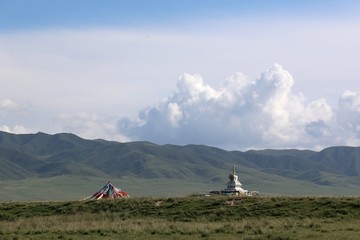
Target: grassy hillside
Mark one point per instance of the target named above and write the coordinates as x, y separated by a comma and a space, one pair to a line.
41, 159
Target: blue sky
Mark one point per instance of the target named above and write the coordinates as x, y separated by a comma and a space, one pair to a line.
259, 74
37, 14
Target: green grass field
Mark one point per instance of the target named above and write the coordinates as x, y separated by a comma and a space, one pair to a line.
72, 188
76, 188
184, 218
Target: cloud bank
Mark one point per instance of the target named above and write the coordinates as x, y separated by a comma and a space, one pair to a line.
84, 80
244, 114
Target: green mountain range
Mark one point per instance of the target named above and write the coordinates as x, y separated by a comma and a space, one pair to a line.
334, 170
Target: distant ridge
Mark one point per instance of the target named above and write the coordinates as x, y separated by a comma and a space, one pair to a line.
43, 155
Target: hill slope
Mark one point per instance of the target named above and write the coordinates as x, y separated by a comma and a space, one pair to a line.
43, 155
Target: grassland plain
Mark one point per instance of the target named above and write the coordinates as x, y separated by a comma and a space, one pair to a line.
184, 218
72, 188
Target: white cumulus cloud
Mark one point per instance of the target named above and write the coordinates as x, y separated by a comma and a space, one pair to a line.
86, 125
348, 118
9, 105
244, 114
17, 129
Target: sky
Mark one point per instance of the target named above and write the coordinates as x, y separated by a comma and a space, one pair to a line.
231, 74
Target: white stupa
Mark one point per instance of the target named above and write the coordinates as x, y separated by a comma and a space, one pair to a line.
233, 187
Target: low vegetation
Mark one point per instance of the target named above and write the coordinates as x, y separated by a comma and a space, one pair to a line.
184, 218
